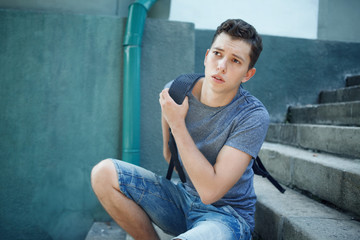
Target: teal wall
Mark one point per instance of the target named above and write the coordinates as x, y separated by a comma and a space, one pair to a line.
165, 56
60, 101
292, 71
161, 9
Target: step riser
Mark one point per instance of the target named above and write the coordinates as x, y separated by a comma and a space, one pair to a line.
275, 226
353, 81
267, 222
338, 140
330, 114
338, 186
293, 216
340, 95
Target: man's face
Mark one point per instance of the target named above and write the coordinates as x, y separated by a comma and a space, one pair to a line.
226, 64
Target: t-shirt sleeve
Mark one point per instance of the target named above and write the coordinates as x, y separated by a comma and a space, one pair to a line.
249, 133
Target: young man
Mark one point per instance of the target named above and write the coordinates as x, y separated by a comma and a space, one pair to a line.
219, 130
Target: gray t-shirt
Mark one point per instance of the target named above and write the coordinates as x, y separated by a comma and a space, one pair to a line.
241, 124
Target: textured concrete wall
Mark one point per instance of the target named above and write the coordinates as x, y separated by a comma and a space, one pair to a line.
165, 56
60, 101
161, 9
339, 20
292, 71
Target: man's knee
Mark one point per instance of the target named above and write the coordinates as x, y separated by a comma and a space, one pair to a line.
103, 175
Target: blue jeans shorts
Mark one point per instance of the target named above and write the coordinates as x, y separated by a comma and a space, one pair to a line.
177, 212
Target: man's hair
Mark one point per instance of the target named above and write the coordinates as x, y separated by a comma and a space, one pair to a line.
239, 29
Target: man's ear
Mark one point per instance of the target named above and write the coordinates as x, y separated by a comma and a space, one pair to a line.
250, 73
206, 54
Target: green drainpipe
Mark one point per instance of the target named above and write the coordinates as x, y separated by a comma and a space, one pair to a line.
131, 80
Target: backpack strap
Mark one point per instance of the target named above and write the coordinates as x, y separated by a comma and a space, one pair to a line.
178, 90
259, 169
174, 161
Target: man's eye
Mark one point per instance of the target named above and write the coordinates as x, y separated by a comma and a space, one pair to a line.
236, 61
216, 53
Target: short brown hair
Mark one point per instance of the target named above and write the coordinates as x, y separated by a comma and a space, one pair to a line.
239, 29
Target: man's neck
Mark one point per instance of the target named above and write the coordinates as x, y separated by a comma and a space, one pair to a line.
207, 96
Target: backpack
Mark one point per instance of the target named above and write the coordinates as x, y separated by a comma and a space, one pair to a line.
178, 90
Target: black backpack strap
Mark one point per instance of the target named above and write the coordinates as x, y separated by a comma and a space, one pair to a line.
178, 90
174, 161
182, 85
259, 169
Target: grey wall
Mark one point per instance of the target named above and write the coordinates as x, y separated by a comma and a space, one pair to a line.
293, 71
60, 101
339, 20
160, 9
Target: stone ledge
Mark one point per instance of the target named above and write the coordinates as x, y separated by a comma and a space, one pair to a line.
340, 95
332, 139
353, 80
344, 113
296, 217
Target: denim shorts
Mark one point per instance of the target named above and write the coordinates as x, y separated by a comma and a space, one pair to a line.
177, 212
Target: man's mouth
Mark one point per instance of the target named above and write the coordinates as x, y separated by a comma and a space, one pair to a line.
218, 78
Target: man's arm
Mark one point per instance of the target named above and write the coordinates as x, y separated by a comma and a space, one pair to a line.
211, 182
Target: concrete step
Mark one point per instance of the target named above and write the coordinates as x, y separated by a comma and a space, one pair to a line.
111, 231
340, 95
344, 113
105, 231
296, 217
327, 177
353, 80
339, 140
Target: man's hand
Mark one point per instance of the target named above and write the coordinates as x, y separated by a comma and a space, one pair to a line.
173, 113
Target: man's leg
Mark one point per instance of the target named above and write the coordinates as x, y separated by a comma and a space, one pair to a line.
124, 211
207, 222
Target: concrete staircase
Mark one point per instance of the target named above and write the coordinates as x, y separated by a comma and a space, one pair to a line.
317, 156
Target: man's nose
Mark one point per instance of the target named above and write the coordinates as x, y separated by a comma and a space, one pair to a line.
222, 65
